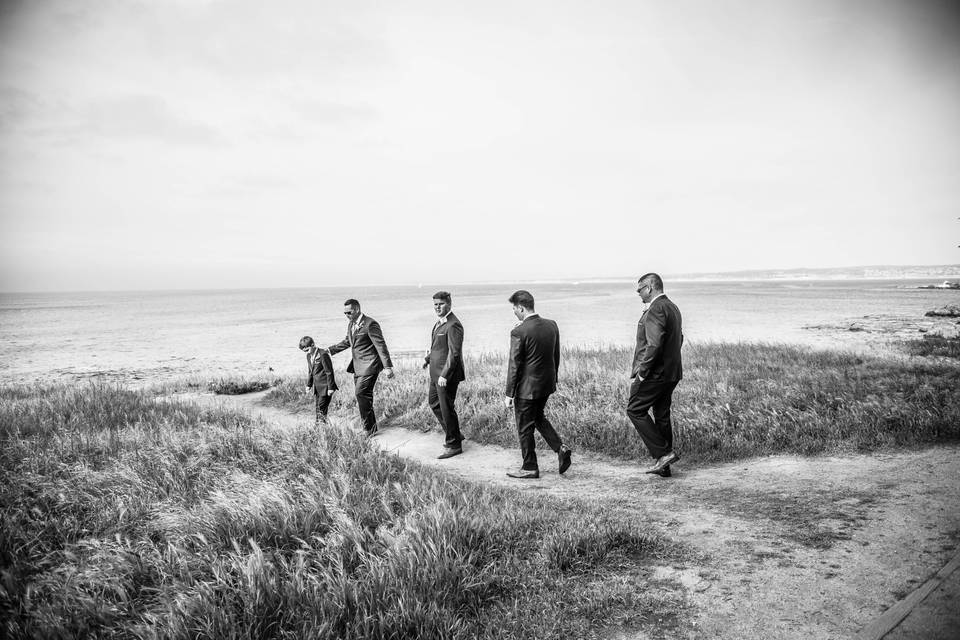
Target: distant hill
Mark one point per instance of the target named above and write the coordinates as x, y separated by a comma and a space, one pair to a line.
878, 272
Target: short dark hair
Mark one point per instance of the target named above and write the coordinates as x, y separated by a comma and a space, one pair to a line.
652, 279
306, 341
442, 295
522, 298
353, 303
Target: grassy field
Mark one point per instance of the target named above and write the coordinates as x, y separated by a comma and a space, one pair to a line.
736, 401
128, 517
934, 346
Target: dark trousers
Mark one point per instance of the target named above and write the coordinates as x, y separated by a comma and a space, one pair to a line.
323, 404
364, 390
441, 401
530, 416
654, 396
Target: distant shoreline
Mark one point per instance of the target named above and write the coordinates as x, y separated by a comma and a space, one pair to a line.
827, 274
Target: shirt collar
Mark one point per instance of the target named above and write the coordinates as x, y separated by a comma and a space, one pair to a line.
443, 319
532, 315
659, 295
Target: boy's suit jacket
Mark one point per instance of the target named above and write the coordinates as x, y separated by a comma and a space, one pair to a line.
369, 352
320, 372
534, 359
446, 350
659, 338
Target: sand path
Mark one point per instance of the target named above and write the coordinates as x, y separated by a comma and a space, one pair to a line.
783, 546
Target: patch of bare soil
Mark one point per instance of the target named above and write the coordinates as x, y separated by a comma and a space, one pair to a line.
781, 547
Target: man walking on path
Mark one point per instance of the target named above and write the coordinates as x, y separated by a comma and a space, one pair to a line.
369, 356
531, 378
656, 370
320, 377
445, 362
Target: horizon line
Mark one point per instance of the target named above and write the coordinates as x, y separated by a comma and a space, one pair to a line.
701, 276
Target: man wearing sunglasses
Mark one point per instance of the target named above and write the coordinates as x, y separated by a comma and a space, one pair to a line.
369, 357
656, 370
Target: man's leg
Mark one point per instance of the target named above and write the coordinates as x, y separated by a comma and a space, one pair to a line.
525, 412
643, 395
364, 391
544, 427
433, 399
448, 414
661, 414
323, 405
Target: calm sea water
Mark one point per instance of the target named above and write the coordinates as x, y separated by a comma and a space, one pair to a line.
138, 337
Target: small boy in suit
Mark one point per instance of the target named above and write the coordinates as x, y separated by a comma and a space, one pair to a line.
320, 378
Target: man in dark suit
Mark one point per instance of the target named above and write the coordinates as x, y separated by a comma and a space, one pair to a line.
369, 356
445, 362
656, 370
531, 378
320, 378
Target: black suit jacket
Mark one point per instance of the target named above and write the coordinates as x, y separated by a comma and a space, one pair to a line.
534, 359
368, 348
659, 338
320, 372
446, 350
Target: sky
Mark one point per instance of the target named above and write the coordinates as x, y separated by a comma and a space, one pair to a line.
166, 144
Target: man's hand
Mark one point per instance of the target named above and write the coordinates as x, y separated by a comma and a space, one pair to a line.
330, 392
307, 390
389, 372
508, 402
441, 381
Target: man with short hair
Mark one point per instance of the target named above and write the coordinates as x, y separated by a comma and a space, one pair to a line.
657, 369
320, 377
531, 378
444, 360
369, 356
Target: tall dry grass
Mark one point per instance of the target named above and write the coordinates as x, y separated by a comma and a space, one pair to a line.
736, 400
128, 517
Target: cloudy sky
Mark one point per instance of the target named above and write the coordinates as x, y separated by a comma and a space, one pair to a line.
207, 143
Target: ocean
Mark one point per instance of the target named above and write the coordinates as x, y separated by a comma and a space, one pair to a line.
138, 338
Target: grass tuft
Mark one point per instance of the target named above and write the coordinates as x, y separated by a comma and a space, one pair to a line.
934, 346
239, 386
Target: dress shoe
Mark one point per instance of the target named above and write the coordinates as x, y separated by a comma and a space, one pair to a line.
663, 473
564, 456
449, 453
524, 474
663, 461
373, 432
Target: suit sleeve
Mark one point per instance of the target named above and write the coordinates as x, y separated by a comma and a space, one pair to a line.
327, 365
637, 354
309, 373
455, 349
556, 351
340, 346
654, 325
516, 362
376, 336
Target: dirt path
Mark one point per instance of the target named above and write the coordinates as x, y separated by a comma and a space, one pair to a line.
785, 546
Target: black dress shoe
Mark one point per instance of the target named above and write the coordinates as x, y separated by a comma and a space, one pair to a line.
663, 473
564, 455
664, 461
373, 432
524, 474
449, 453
